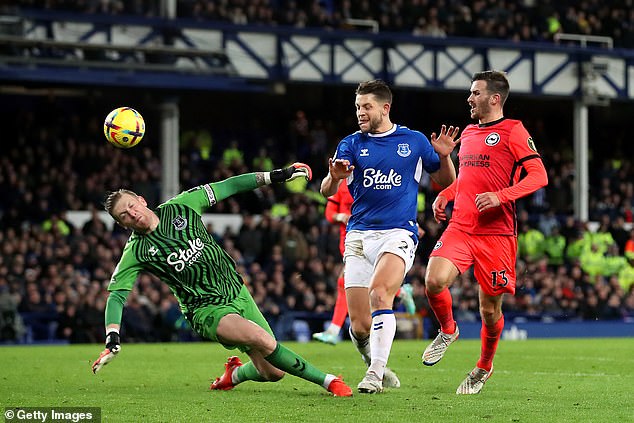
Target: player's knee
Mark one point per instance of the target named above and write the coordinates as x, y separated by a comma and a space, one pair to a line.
489, 314
435, 283
380, 299
261, 341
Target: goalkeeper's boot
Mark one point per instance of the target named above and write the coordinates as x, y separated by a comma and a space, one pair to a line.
474, 381
224, 382
436, 350
390, 380
326, 337
371, 384
406, 294
338, 388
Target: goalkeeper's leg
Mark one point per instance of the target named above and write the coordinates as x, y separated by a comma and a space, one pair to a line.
270, 358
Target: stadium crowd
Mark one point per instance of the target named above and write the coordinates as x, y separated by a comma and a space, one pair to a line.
529, 20
54, 271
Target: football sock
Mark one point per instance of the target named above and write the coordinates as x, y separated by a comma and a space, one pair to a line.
341, 306
362, 345
441, 305
381, 338
333, 329
490, 336
246, 372
291, 363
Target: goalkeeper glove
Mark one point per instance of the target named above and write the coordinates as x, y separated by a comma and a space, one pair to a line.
113, 346
294, 171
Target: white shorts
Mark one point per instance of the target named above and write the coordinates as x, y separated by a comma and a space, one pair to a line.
364, 248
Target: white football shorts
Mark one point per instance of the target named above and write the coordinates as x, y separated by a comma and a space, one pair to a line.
364, 248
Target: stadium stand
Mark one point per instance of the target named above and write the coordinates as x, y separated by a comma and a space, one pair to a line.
53, 273
537, 20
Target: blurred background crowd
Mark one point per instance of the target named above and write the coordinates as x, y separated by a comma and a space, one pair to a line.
54, 273
526, 20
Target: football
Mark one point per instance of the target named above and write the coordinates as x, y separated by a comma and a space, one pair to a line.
124, 127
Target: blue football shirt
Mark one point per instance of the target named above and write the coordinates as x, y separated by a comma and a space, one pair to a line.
387, 173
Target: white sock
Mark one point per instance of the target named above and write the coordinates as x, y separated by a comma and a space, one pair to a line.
333, 329
234, 376
362, 345
329, 378
381, 338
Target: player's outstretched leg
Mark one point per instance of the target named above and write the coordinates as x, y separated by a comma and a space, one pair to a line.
292, 363
436, 350
474, 381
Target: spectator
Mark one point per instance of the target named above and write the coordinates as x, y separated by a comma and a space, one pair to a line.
232, 156
555, 247
250, 239
11, 325
530, 244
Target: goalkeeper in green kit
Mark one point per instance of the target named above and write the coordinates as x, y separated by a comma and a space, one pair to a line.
172, 243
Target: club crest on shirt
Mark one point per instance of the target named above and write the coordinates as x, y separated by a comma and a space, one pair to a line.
179, 223
438, 245
492, 139
403, 150
531, 144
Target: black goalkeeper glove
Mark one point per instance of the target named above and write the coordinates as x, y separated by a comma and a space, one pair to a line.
113, 346
294, 171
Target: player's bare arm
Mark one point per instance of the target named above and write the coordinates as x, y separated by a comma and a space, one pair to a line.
338, 170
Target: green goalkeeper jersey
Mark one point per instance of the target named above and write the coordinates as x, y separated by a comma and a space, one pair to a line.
182, 253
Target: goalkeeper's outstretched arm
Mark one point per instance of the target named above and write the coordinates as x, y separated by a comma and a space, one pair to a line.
250, 181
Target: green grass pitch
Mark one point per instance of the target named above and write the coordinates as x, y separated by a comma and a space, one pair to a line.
559, 380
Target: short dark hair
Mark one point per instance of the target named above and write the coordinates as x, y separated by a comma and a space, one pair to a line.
112, 198
377, 87
496, 82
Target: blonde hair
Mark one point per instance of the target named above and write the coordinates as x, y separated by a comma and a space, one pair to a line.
112, 198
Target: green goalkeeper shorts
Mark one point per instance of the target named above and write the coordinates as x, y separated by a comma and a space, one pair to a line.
205, 320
